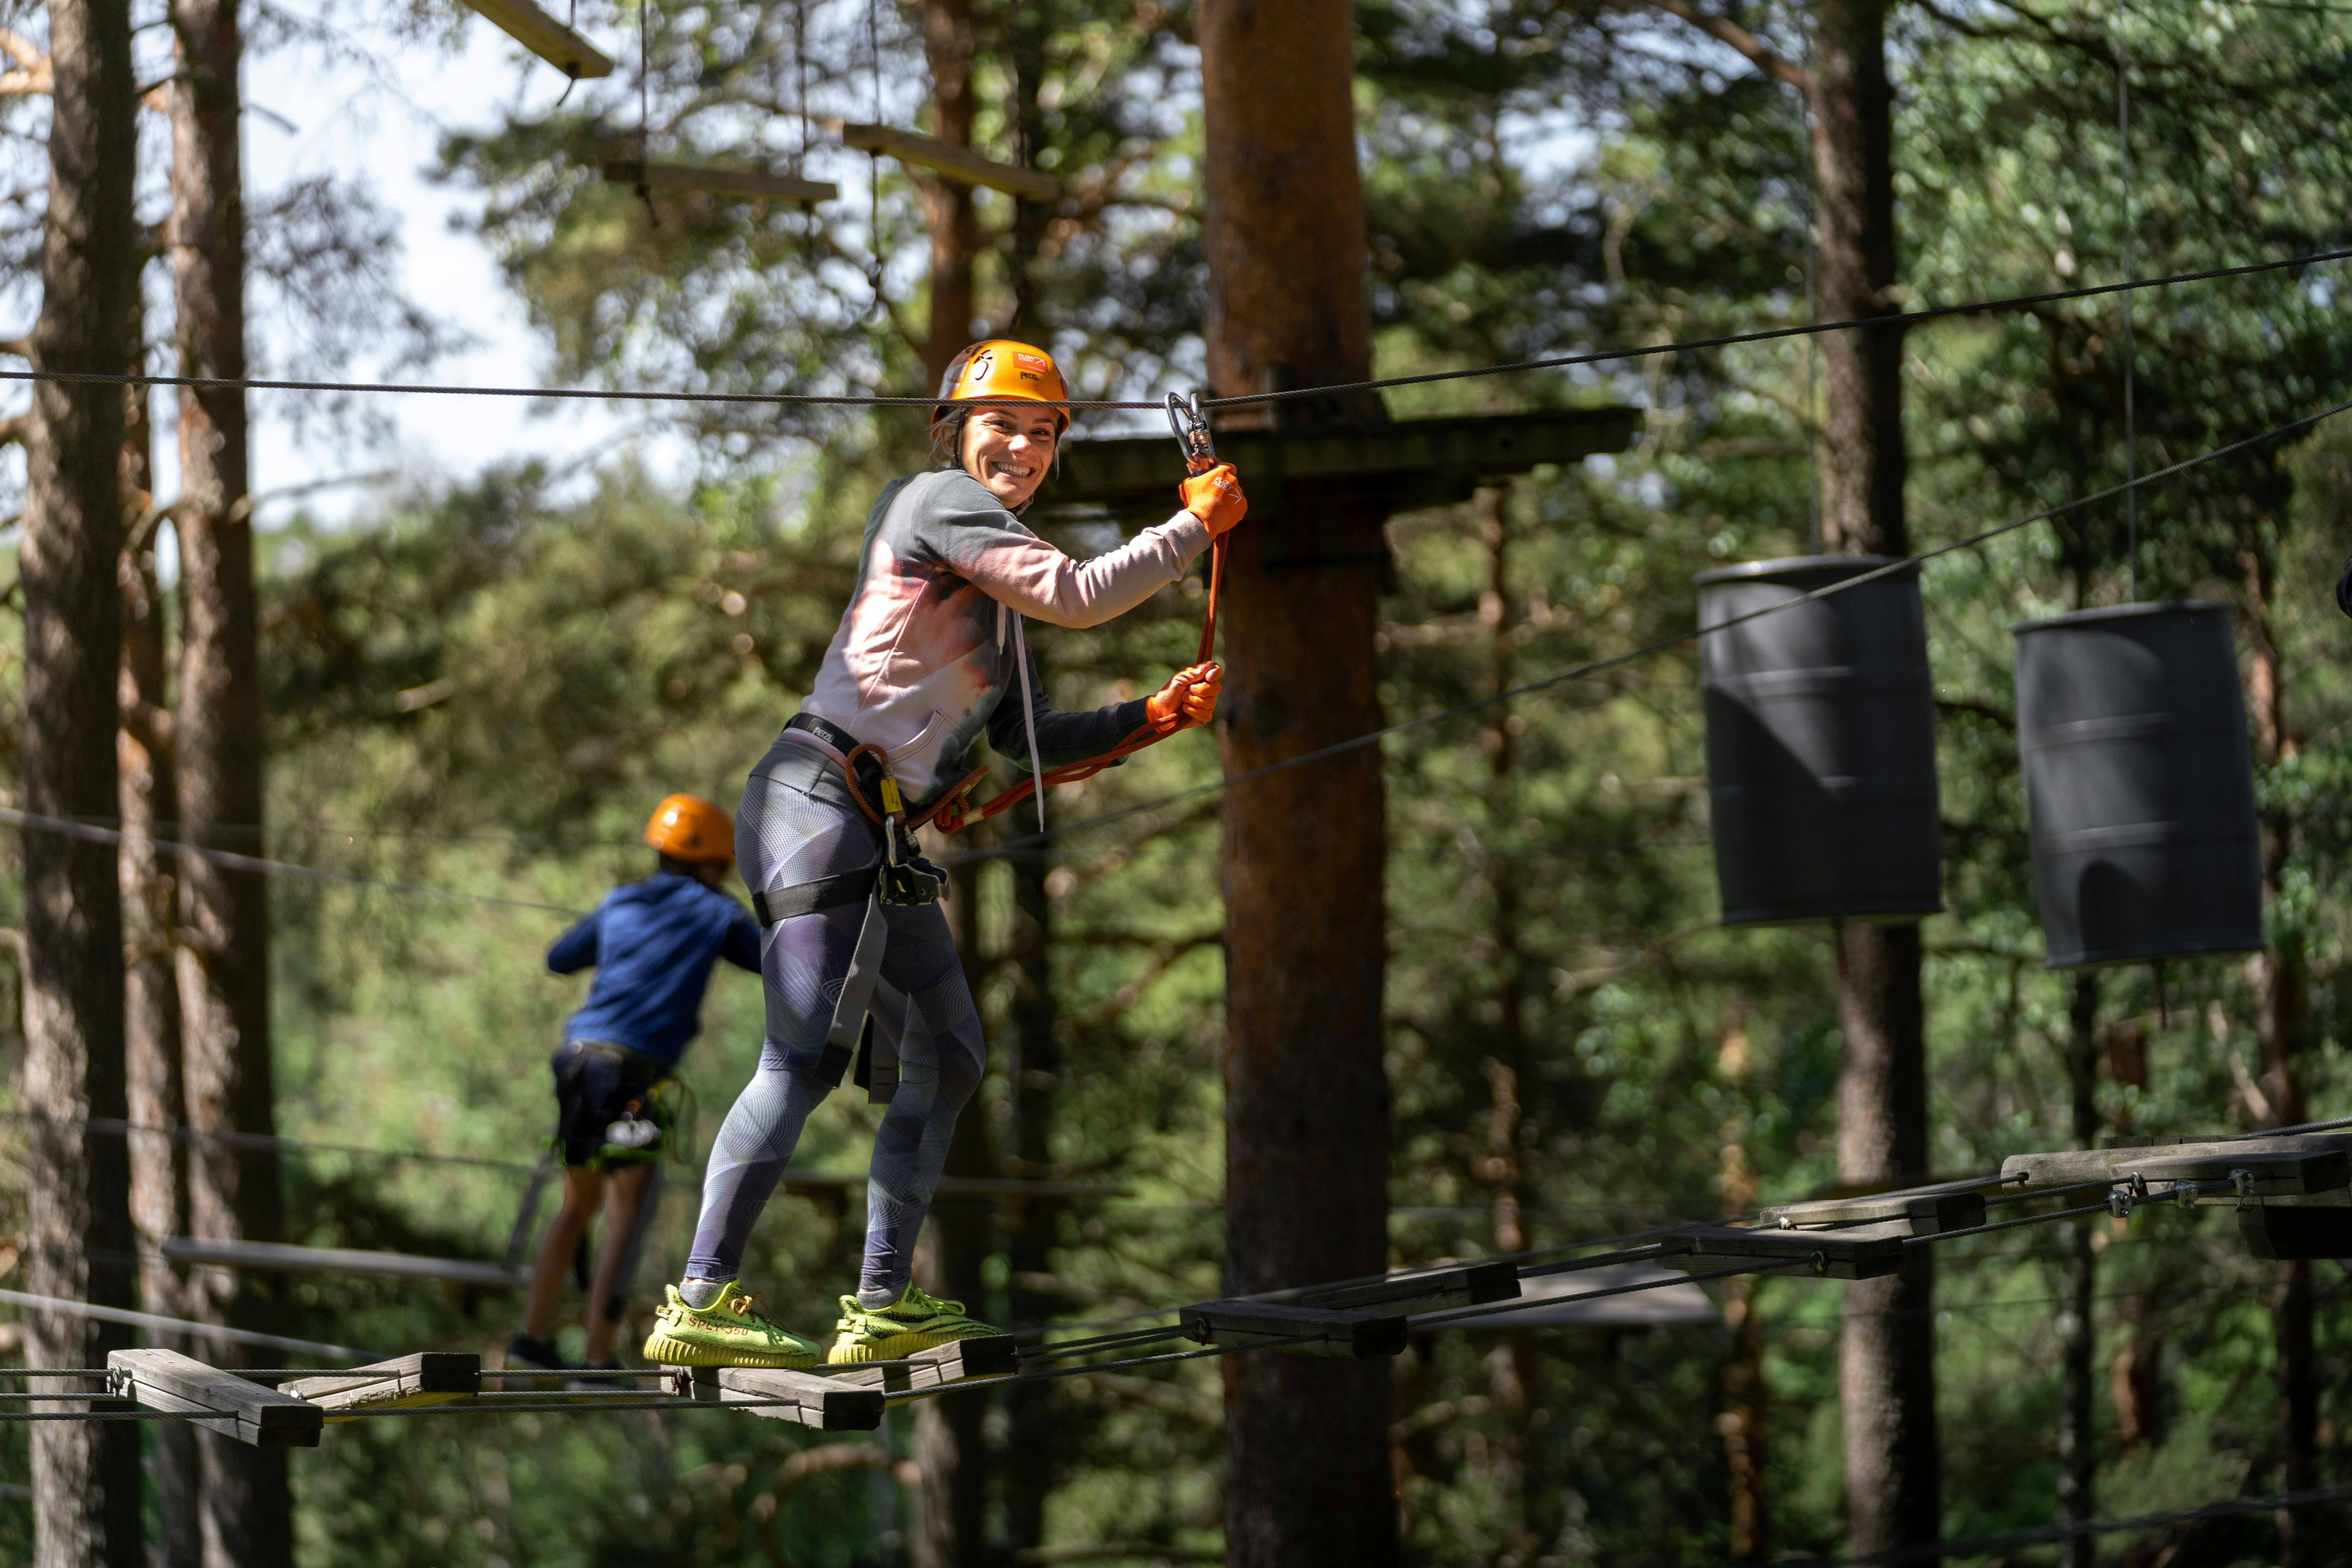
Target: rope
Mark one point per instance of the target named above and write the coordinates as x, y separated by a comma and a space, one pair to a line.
876, 400
181, 1325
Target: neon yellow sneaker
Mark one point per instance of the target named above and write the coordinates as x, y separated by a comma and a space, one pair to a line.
730, 1331
915, 1322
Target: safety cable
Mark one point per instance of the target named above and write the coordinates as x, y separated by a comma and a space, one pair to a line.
1590, 667
881, 400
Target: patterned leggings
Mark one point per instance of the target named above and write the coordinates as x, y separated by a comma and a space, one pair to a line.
785, 835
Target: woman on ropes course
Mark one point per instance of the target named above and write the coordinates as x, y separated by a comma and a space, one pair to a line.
856, 954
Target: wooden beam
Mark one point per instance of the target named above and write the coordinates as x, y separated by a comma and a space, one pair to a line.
951, 162
428, 1377
245, 1410
1865, 1252
1558, 1300
1409, 463
2283, 1164
280, 1257
755, 185
810, 1399
1927, 1214
1336, 1332
545, 37
1473, 1286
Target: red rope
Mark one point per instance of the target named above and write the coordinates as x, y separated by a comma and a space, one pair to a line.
951, 812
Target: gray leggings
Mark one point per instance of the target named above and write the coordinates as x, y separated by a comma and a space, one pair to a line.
794, 827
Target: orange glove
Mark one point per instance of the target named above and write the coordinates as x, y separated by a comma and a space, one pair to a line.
1215, 497
1189, 698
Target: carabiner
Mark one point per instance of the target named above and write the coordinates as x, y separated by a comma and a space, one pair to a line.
1192, 432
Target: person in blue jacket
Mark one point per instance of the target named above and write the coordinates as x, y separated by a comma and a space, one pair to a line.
653, 944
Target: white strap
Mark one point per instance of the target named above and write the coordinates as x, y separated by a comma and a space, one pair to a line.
1028, 716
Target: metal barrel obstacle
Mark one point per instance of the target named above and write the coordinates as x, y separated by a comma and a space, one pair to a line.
2139, 785
1821, 742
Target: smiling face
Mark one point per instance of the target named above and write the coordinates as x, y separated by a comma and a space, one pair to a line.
1009, 450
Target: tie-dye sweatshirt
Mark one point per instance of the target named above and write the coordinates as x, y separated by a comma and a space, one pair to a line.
926, 651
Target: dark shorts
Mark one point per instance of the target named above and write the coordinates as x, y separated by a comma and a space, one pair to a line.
597, 1085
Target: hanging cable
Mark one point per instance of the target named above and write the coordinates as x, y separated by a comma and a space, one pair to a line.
2131, 426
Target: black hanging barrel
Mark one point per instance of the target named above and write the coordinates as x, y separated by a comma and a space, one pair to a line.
2139, 786
1820, 743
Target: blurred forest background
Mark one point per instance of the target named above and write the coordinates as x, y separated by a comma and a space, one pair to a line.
485, 686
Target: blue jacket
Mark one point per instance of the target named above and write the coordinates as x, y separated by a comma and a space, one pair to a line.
653, 943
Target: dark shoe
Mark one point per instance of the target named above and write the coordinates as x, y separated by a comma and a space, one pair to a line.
525, 1351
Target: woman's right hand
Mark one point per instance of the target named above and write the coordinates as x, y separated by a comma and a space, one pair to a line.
1215, 497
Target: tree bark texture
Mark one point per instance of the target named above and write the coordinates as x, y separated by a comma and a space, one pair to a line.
1887, 1372
2281, 979
1306, 1474
1036, 1436
149, 994
223, 954
85, 1475
2078, 1459
947, 205
1853, 197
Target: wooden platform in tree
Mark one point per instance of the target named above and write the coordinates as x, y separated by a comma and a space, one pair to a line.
428, 1377
545, 37
240, 1408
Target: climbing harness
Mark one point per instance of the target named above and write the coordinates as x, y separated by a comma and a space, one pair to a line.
950, 812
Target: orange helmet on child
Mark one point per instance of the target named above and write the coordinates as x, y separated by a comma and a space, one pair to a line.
690, 828
1001, 368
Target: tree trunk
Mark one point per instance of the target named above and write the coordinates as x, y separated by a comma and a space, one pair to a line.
950, 1451
85, 1475
150, 1000
1742, 1422
2078, 1460
223, 956
947, 205
2281, 978
1887, 1372
1307, 1473
1033, 1443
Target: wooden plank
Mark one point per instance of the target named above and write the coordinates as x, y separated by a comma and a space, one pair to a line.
1927, 1214
1864, 1252
1336, 1332
1411, 463
280, 1257
827, 1403
2283, 1231
757, 185
246, 1411
428, 1377
951, 162
545, 37
1474, 1285
2065, 1166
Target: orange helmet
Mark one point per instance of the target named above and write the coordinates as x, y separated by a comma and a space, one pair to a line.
1000, 367
690, 828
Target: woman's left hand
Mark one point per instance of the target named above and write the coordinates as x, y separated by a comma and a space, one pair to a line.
1189, 698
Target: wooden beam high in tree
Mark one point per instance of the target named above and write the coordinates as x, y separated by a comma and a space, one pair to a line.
86, 1478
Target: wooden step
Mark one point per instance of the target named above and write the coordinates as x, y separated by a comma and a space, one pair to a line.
1474, 1285
428, 1377
809, 1399
925, 1372
1334, 1332
242, 1408
2301, 1162
1927, 1214
1864, 1252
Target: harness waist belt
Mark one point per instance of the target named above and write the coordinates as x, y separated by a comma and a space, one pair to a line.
807, 898
825, 730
